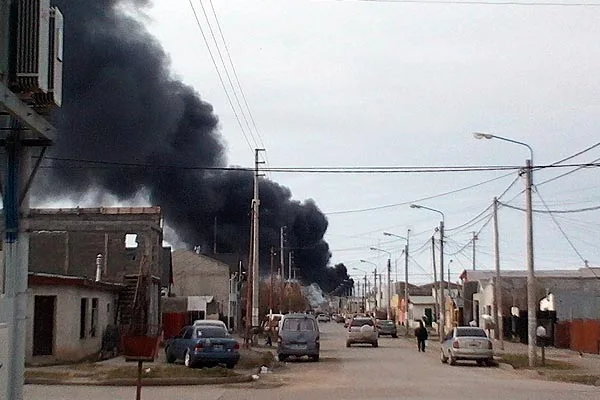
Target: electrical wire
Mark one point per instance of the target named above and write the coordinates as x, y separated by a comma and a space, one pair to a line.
548, 211
567, 237
417, 200
212, 57
565, 174
484, 3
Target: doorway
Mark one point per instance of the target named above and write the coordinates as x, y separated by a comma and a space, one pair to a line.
43, 325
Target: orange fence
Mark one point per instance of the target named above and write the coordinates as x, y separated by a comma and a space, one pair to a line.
579, 335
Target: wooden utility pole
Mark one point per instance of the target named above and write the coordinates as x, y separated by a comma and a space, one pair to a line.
475, 238
255, 240
272, 280
498, 286
436, 284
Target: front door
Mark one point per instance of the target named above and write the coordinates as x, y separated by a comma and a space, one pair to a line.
428, 316
43, 325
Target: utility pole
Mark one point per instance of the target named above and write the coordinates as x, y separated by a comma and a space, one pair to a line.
22, 129
449, 276
255, 240
498, 293
436, 284
215, 236
389, 289
531, 297
281, 252
375, 287
364, 294
272, 280
475, 238
443, 298
380, 289
290, 259
406, 255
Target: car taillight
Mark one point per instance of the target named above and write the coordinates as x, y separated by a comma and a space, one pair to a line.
199, 347
455, 344
236, 346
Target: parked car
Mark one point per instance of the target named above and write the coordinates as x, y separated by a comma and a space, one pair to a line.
467, 343
203, 344
387, 327
339, 318
298, 336
362, 330
323, 318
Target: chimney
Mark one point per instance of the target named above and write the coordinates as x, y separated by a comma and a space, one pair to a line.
98, 267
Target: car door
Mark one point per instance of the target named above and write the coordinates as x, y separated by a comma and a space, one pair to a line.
177, 346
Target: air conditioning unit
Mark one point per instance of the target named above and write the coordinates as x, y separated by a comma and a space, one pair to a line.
31, 24
45, 102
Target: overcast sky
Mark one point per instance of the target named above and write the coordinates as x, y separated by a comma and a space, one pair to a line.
365, 83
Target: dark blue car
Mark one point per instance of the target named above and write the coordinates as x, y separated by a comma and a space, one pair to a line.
203, 345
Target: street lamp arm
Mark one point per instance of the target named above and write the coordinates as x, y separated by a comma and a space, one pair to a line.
479, 135
430, 209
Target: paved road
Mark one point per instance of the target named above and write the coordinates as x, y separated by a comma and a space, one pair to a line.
395, 370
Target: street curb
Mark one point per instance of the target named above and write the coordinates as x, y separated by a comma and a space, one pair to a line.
145, 381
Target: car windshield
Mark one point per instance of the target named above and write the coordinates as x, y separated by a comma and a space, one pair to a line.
211, 332
461, 332
362, 321
298, 324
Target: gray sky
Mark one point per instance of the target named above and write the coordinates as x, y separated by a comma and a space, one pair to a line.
357, 83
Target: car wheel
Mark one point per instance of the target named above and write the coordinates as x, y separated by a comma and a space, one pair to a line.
395, 336
489, 362
170, 358
452, 359
347, 344
375, 344
187, 360
230, 365
481, 363
443, 357
314, 358
282, 357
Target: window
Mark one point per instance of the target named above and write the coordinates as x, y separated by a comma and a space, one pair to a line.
298, 324
83, 318
94, 325
211, 332
361, 322
477, 332
188, 333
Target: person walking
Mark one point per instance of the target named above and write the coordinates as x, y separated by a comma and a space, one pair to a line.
421, 334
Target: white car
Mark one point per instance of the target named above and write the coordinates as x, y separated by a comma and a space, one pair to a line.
467, 343
362, 330
323, 318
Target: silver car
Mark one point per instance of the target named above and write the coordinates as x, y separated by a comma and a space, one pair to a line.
362, 330
467, 343
298, 336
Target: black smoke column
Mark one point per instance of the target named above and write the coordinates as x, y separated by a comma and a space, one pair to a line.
122, 105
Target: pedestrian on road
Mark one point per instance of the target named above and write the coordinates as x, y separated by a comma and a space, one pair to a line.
421, 334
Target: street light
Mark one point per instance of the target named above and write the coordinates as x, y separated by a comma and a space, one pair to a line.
389, 272
531, 298
442, 305
405, 273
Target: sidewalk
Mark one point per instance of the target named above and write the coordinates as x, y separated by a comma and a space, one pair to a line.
561, 364
118, 372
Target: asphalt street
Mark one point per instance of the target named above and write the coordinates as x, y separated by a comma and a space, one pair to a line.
395, 370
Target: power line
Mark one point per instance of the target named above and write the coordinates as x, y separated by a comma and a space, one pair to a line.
548, 211
235, 74
566, 173
565, 235
484, 3
417, 200
212, 57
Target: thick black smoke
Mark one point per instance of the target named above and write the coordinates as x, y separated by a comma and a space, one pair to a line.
121, 104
